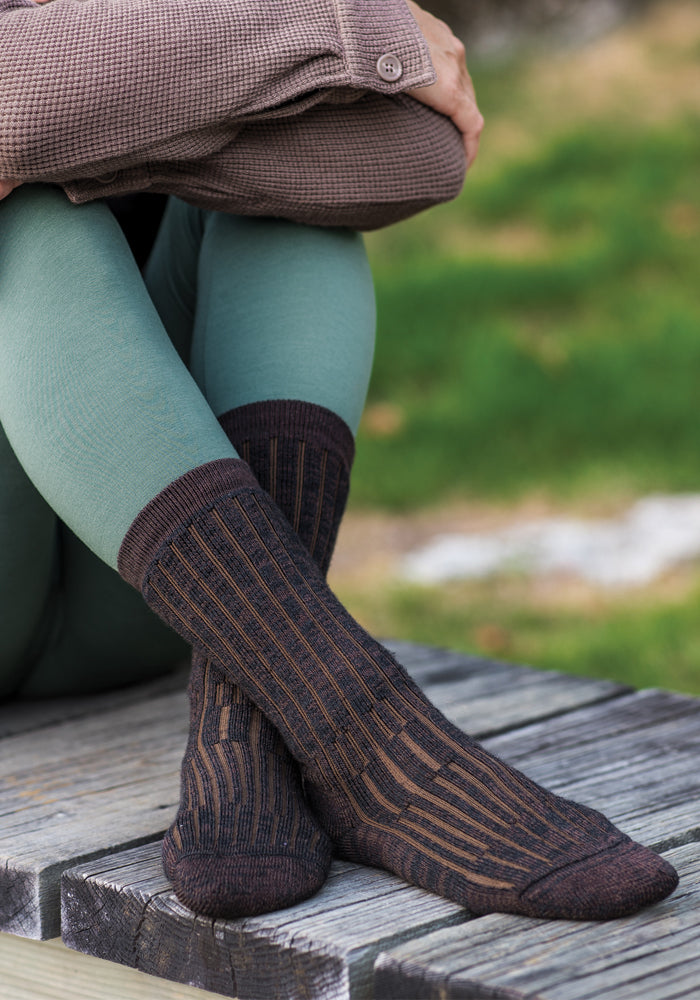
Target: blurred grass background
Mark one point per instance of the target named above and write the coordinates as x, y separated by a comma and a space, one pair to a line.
540, 337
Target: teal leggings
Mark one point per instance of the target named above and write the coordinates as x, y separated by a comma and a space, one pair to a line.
110, 388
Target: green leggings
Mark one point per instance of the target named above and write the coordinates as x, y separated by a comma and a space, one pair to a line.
101, 408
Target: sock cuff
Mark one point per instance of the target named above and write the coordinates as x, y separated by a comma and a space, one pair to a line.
165, 514
292, 419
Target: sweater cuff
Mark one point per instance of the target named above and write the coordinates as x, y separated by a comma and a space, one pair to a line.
384, 49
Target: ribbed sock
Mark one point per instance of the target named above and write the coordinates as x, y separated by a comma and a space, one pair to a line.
394, 784
243, 840
301, 455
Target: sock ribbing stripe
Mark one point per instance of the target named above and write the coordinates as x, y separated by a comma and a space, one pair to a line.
297, 420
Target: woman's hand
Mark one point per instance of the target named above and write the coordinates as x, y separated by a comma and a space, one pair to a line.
453, 94
6, 186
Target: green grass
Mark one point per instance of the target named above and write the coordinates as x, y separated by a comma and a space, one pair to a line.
643, 645
562, 372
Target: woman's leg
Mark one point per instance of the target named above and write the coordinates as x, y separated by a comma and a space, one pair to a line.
280, 321
264, 309
99, 634
98, 378
395, 784
69, 623
96, 369
27, 556
301, 453
94, 632
301, 303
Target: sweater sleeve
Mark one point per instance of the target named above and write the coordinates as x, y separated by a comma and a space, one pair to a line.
84, 83
363, 165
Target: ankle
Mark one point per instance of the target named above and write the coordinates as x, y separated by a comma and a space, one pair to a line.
174, 507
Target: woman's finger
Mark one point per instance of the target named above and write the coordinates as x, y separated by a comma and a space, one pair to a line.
470, 123
453, 93
6, 186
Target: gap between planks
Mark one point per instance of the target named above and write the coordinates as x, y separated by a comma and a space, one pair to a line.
47, 970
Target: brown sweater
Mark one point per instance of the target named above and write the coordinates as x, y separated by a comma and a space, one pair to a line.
259, 107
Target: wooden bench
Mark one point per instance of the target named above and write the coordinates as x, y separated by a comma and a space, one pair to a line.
87, 787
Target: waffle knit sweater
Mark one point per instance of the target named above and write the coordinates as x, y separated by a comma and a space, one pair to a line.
254, 107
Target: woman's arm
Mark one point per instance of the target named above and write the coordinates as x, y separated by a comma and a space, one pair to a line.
375, 162
365, 165
84, 83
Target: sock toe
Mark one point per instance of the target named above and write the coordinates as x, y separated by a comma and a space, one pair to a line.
615, 883
243, 886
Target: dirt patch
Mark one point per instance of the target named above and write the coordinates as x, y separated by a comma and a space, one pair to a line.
371, 546
371, 543
647, 70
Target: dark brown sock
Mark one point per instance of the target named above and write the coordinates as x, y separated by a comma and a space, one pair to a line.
394, 784
301, 455
243, 840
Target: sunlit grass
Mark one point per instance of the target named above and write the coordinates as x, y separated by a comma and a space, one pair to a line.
555, 371
654, 643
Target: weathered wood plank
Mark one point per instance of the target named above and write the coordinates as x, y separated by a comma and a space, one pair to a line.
25, 715
496, 701
47, 970
653, 955
122, 908
635, 759
102, 781
655, 728
485, 697
82, 788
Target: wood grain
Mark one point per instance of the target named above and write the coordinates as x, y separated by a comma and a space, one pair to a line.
634, 758
607, 751
122, 908
485, 697
653, 955
79, 789
47, 970
25, 715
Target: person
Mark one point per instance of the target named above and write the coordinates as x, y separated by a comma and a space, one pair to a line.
215, 484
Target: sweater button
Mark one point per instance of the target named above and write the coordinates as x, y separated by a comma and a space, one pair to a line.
389, 67
107, 178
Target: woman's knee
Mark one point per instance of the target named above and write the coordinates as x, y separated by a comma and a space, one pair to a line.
43, 210
287, 263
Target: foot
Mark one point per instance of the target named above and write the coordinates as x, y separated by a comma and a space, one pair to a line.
435, 808
393, 783
243, 841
